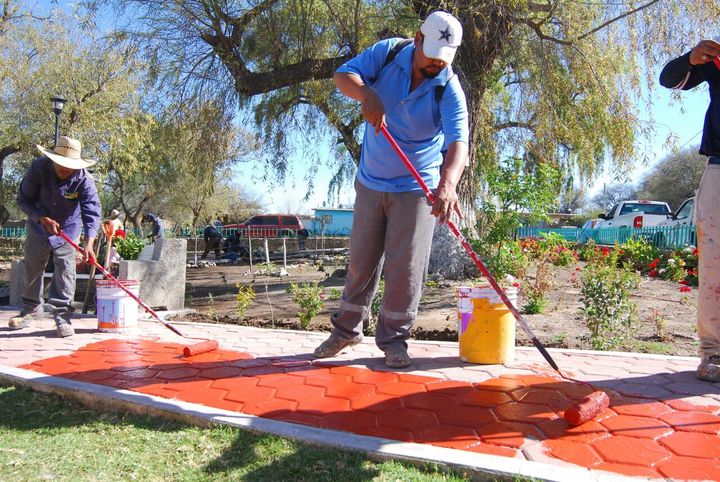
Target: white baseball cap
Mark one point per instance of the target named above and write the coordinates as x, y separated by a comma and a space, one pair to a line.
443, 34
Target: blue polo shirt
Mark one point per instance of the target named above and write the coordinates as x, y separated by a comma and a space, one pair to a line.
73, 203
421, 126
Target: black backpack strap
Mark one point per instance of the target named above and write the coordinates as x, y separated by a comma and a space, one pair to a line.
392, 54
395, 50
440, 89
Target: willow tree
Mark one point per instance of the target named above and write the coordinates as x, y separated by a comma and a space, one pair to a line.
552, 81
54, 55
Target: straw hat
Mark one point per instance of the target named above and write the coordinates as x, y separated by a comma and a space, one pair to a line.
67, 154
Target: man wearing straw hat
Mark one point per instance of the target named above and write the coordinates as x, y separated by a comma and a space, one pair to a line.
57, 193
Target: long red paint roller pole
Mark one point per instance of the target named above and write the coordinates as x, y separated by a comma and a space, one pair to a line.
585, 409
189, 350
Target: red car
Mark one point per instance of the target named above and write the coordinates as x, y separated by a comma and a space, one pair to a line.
268, 226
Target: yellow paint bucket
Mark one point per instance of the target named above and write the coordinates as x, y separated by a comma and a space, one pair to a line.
486, 327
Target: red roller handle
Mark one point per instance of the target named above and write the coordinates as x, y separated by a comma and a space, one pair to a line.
112, 278
473, 255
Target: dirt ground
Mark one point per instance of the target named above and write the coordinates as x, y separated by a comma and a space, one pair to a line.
665, 316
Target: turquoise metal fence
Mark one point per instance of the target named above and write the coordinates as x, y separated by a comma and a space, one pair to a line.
12, 232
570, 234
663, 237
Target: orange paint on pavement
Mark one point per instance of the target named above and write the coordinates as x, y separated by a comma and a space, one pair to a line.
498, 416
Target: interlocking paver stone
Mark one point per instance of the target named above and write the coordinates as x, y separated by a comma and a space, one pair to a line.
662, 421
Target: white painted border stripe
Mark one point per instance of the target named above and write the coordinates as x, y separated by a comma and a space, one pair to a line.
497, 466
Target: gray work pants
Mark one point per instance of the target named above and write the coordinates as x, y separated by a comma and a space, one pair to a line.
62, 286
394, 229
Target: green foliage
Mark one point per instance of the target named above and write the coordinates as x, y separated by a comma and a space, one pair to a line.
266, 269
377, 300
129, 247
536, 291
507, 259
244, 298
674, 267
212, 312
307, 296
514, 188
609, 313
638, 253
536, 303
335, 294
118, 446
556, 249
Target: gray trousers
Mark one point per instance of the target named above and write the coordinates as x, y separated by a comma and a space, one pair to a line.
394, 229
62, 286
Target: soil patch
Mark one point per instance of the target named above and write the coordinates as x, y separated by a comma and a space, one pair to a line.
665, 316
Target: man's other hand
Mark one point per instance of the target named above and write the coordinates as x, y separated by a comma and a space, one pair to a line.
51, 226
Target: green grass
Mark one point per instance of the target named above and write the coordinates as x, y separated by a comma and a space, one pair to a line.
46, 437
654, 347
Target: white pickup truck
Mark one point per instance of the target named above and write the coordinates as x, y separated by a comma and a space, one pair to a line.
677, 230
685, 215
634, 214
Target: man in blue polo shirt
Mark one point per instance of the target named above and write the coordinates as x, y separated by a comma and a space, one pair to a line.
57, 193
702, 64
418, 97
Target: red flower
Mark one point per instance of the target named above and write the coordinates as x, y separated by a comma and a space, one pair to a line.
691, 272
695, 252
120, 233
684, 282
685, 289
652, 273
654, 263
605, 251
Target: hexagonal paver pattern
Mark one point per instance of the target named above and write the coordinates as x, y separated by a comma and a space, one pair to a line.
650, 429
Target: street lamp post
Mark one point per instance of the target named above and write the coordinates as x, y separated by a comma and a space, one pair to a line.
58, 103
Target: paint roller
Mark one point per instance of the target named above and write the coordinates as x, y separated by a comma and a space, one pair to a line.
188, 350
588, 407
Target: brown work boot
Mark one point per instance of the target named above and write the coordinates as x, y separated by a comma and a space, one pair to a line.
334, 345
397, 357
22, 320
709, 369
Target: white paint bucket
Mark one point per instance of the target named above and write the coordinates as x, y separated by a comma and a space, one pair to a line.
116, 311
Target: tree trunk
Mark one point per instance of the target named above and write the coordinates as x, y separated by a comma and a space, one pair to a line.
484, 36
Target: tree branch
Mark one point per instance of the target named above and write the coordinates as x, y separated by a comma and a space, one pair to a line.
619, 17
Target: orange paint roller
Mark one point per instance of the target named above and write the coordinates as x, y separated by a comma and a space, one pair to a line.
587, 408
189, 350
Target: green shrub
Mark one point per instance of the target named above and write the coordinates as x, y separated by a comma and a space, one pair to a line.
536, 303
244, 298
129, 247
335, 294
377, 300
608, 311
638, 253
673, 268
307, 296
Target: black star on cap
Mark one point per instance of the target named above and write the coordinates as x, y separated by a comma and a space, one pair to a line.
445, 34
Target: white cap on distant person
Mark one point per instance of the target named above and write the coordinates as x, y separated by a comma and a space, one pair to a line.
443, 34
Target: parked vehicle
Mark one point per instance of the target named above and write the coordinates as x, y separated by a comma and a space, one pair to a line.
268, 226
585, 231
635, 214
684, 216
678, 228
